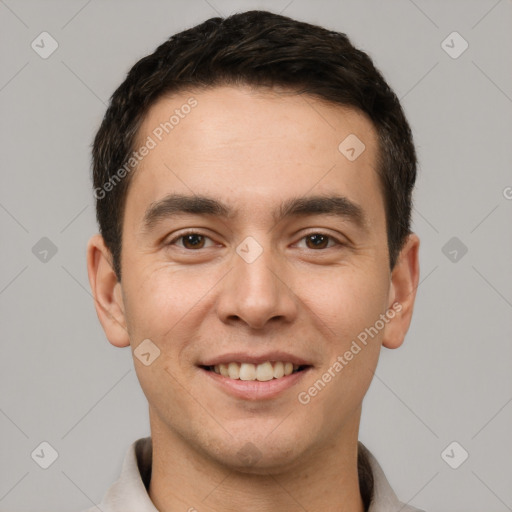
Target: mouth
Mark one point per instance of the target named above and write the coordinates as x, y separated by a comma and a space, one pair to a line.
254, 377
261, 372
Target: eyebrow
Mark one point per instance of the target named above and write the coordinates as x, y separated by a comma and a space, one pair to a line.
335, 205
177, 204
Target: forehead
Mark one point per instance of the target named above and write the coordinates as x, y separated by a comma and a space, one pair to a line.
242, 114
258, 144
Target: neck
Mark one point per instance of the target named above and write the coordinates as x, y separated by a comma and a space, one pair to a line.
185, 479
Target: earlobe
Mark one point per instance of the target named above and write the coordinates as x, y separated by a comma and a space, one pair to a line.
404, 283
106, 290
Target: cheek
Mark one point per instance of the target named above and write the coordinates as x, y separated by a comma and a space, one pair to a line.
344, 301
343, 308
161, 298
165, 305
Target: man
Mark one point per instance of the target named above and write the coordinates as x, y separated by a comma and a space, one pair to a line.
253, 179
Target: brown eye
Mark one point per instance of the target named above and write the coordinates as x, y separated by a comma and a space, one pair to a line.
317, 241
193, 241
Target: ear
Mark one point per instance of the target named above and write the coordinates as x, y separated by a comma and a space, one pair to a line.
107, 293
403, 286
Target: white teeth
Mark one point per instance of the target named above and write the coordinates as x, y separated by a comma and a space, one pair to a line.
264, 372
247, 371
233, 370
278, 370
261, 372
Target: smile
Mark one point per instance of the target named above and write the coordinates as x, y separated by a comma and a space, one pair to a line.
262, 372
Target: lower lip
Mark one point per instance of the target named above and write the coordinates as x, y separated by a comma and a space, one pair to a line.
254, 389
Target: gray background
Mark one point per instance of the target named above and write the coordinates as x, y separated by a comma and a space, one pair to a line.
63, 383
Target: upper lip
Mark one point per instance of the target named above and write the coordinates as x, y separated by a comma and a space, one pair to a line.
244, 357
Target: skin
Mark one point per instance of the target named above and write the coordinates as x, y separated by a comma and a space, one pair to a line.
252, 150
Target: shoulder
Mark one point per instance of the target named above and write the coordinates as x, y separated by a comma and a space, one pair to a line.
382, 498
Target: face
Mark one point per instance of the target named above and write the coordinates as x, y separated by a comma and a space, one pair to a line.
253, 247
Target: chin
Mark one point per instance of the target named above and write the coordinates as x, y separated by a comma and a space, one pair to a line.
261, 453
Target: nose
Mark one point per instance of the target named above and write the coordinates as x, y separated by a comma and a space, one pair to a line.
256, 293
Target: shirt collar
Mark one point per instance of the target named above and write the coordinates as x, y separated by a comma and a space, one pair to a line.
130, 492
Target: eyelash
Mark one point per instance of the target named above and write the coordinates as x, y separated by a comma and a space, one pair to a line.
183, 235
330, 237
